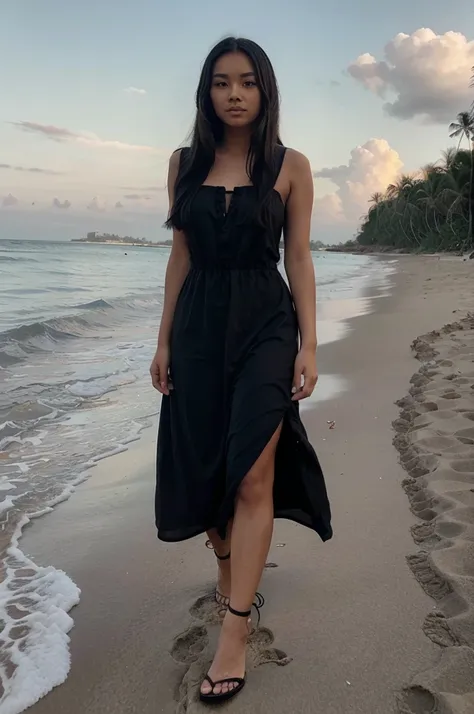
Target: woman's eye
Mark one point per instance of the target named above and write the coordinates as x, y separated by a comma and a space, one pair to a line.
250, 83
219, 84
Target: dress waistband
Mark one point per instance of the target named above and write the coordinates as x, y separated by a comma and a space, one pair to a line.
223, 267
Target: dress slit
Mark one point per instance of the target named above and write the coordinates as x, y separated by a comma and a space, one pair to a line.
227, 508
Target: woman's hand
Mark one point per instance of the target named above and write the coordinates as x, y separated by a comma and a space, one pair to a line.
159, 370
306, 374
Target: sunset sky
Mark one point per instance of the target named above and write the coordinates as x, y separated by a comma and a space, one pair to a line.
96, 95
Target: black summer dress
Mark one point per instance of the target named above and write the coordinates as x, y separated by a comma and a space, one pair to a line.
233, 345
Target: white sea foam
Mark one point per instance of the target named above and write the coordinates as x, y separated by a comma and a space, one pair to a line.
99, 387
34, 602
22, 468
34, 606
7, 503
118, 449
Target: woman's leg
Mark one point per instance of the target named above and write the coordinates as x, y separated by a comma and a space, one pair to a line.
250, 542
222, 549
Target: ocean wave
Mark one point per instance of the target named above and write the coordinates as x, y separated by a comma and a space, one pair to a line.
17, 343
94, 305
99, 386
11, 259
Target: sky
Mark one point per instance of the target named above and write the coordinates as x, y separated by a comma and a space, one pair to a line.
96, 96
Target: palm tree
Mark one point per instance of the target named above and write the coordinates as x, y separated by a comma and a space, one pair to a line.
472, 85
448, 158
464, 127
428, 210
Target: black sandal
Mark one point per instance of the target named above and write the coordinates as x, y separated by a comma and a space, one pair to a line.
220, 598
212, 698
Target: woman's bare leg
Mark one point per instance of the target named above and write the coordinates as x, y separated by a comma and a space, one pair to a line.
250, 542
222, 548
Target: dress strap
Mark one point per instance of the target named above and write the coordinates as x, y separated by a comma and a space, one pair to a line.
280, 152
183, 154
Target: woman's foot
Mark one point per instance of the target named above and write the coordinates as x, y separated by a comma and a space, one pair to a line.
229, 660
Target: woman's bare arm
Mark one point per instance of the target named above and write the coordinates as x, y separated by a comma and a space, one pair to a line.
176, 272
300, 270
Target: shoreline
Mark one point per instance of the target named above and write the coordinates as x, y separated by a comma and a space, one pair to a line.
125, 575
390, 251
62, 593
118, 242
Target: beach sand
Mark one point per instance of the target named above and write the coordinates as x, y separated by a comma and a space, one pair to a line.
346, 627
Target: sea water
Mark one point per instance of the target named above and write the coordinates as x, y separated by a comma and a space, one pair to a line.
78, 329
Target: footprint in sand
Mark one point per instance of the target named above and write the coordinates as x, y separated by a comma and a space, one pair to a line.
189, 645
416, 700
464, 466
436, 446
436, 627
465, 436
206, 609
191, 648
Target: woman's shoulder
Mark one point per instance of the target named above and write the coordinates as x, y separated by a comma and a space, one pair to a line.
177, 156
295, 160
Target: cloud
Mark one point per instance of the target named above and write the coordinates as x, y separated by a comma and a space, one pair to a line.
61, 135
97, 204
428, 73
119, 204
134, 90
137, 197
58, 204
10, 201
372, 167
33, 170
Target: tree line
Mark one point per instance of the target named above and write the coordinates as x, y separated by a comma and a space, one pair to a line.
431, 211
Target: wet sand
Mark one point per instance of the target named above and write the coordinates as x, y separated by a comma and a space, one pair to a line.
344, 628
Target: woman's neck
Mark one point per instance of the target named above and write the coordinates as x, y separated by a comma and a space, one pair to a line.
236, 142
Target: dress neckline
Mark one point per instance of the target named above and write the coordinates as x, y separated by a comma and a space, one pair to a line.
227, 190
236, 189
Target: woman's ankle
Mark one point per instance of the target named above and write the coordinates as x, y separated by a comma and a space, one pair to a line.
236, 627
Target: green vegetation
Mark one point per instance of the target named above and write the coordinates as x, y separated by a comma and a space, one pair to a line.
431, 211
94, 237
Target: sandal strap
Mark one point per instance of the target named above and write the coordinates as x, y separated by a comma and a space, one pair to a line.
219, 557
228, 680
258, 604
239, 613
222, 557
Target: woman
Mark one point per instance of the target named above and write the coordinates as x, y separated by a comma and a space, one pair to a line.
234, 356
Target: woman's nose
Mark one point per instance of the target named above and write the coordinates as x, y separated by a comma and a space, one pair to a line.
235, 91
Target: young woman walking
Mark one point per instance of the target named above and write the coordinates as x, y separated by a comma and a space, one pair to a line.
237, 348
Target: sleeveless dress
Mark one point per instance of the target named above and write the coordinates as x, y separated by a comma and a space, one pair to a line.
233, 345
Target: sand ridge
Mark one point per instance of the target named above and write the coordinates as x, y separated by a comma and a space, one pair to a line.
435, 439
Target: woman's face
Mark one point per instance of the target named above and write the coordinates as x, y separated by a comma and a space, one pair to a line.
235, 94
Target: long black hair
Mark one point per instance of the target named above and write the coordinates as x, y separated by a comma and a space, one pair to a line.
208, 133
